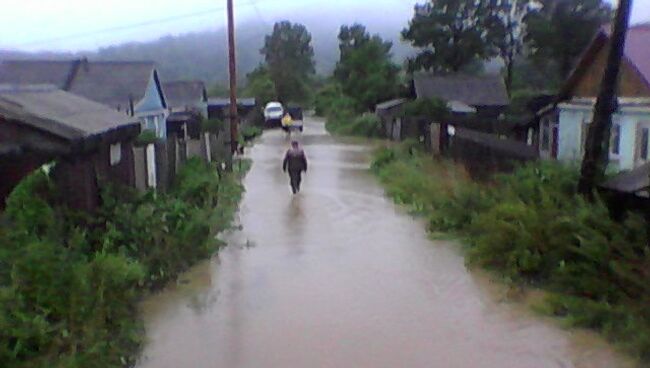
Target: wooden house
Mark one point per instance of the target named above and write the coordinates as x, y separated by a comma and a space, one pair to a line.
130, 87
89, 143
630, 139
391, 115
486, 96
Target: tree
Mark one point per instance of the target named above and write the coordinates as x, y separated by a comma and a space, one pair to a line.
289, 58
560, 30
451, 33
506, 29
260, 85
596, 155
365, 69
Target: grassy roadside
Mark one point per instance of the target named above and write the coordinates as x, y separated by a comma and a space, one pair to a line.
70, 283
531, 228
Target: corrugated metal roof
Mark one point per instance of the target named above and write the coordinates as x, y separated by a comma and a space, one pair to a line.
471, 90
54, 72
113, 83
184, 93
58, 112
244, 101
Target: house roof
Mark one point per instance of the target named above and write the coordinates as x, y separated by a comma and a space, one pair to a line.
244, 101
633, 181
637, 52
390, 104
58, 112
113, 83
54, 72
487, 90
637, 49
184, 93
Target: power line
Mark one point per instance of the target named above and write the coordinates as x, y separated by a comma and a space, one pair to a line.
129, 26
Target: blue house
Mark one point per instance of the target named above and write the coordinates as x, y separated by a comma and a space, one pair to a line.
563, 131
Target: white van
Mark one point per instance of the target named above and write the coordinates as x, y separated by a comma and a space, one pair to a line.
273, 113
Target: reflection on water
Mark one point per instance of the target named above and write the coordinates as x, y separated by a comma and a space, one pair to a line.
337, 276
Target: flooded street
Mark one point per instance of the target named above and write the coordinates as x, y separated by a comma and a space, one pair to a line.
338, 276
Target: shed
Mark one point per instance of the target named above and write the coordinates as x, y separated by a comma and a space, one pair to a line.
89, 142
390, 113
487, 94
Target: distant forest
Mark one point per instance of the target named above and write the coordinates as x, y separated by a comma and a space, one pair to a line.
203, 55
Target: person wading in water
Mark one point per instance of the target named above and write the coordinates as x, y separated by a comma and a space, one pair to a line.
295, 162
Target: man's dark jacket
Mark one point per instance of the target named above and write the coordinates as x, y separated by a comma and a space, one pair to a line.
295, 161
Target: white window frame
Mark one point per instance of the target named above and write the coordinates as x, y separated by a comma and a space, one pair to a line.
115, 154
639, 143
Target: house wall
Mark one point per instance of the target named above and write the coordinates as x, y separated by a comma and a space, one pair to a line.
123, 173
15, 169
631, 84
571, 135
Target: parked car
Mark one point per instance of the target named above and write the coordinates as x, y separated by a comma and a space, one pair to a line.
273, 113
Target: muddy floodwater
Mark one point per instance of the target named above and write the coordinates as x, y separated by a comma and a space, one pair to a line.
338, 276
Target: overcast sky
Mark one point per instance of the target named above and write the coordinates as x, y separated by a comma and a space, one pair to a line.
89, 24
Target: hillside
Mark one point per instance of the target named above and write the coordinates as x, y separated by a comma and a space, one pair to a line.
203, 55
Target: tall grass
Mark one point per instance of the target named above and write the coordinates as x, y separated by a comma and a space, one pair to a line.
532, 228
69, 282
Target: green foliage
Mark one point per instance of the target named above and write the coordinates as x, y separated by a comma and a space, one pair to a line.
146, 137
532, 227
366, 125
365, 69
250, 132
212, 125
560, 30
455, 29
261, 86
328, 96
69, 282
289, 57
427, 107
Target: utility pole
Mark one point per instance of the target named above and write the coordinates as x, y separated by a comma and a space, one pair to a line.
234, 118
596, 155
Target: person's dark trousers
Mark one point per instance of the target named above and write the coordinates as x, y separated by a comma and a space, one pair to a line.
295, 177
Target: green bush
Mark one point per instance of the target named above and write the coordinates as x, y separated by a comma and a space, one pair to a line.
432, 108
145, 138
533, 228
366, 125
69, 282
250, 132
212, 125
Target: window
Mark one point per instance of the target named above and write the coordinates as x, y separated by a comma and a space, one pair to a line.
643, 143
115, 154
157, 125
584, 131
615, 140
546, 135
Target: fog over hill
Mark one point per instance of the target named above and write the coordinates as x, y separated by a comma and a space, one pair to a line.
203, 55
